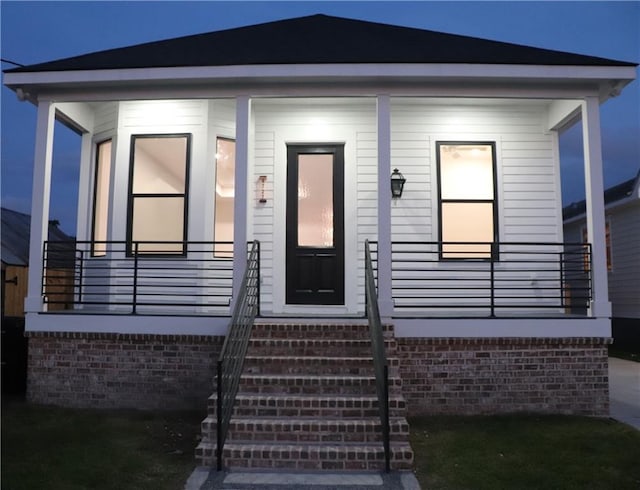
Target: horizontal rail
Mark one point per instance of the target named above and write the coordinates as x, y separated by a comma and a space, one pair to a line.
484, 278
138, 277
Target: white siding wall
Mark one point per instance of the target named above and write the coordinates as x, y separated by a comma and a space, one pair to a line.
164, 117
106, 118
527, 166
367, 194
263, 213
204, 120
278, 122
527, 175
527, 169
221, 124
105, 124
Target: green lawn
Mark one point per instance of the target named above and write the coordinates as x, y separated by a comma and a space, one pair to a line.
53, 448
525, 452
624, 353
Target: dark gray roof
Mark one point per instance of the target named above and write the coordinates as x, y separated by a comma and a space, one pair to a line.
317, 39
611, 195
16, 228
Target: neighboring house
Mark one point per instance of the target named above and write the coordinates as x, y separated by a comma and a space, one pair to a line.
15, 269
15, 262
622, 236
287, 133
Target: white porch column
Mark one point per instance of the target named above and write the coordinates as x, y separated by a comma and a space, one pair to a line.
85, 207
594, 189
243, 108
385, 299
43, 158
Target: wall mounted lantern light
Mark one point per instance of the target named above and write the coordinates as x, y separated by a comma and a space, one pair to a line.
397, 183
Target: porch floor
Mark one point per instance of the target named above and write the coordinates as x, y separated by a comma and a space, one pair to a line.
349, 319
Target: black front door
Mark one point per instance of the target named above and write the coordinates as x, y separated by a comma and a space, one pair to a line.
315, 224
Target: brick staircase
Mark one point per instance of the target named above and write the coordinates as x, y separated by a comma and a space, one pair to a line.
307, 401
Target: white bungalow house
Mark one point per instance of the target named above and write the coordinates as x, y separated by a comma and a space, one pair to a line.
622, 239
278, 134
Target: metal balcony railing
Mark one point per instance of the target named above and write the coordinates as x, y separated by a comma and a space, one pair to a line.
428, 278
381, 367
490, 279
231, 360
138, 277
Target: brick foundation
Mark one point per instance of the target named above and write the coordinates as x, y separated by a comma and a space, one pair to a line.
106, 370
499, 375
439, 375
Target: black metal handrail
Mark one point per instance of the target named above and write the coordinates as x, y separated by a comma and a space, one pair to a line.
380, 364
141, 276
231, 360
493, 278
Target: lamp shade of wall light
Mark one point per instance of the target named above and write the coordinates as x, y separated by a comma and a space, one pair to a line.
397, 183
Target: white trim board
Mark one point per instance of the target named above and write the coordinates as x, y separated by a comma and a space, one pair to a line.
127, 324
324, 71
502, 327
416, 328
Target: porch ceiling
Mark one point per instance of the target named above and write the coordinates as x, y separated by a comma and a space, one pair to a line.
439, 101
279, 101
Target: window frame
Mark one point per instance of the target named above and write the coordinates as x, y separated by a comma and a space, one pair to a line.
96, 174
131, 196
494, 254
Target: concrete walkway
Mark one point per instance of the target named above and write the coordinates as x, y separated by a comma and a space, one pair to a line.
207, 479
624, 391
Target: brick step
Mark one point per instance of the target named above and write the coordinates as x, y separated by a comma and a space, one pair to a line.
307, 429
315, 456
313, 347
315, 430
319, 331
306, 457
307, 401
255, 405
299, 384
312, 365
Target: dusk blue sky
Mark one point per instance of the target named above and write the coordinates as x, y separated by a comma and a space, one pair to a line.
40, 31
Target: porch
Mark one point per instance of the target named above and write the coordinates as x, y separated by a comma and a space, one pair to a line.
152, 248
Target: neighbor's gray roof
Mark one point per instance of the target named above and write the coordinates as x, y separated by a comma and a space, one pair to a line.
611, 195
317, 39
16, 228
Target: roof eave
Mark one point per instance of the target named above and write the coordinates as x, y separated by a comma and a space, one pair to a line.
629, 198
625, 201
610, 79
